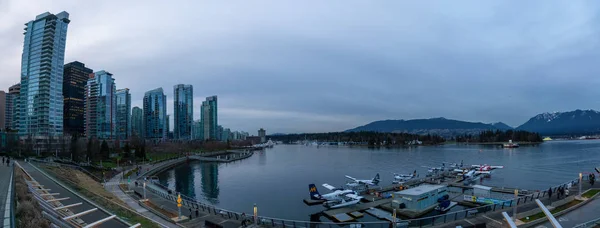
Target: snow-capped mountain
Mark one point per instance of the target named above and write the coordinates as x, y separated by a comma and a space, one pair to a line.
573, 122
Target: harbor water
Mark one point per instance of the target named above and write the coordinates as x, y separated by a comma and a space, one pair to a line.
277, 179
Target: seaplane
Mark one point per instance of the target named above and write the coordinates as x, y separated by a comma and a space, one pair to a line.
486, 169
435, 170
337, 198
401, 178
372, 182
455, 165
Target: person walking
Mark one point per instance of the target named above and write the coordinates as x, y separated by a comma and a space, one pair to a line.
8, 161
190, 213
243, 219
550, 193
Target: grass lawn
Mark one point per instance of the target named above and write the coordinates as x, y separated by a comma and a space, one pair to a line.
94, 191
553, 211
590, 193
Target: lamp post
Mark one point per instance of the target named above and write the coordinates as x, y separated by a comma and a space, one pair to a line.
515, 206
255, 215
580, 180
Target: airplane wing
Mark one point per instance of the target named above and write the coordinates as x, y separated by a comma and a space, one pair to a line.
476, 166
458, 170
327, 186
354, 196
351, 178
482, 172
497, 167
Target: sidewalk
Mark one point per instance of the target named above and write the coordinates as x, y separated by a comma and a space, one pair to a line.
5, 172
580, 215
495, 219
112, 186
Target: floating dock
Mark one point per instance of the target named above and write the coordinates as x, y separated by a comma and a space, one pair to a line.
381, 214
357, 207
312, 202
342, 217
357, 214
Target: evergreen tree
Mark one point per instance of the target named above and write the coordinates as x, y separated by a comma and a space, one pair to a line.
89, 149
73, 148
104, 150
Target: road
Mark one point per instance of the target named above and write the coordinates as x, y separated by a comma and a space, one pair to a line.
55, 188
4, 184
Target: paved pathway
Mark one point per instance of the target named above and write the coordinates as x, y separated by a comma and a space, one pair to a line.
495, 219
585, 213
5, 172
73, 198
113, 186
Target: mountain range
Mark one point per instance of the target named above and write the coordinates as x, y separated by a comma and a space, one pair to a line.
556, 123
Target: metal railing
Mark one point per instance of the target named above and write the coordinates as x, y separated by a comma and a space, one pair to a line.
592, 223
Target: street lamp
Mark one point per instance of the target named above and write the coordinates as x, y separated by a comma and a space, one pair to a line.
580, 180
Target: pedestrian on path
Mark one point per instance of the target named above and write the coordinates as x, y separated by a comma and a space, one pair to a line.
550, 193
8, 161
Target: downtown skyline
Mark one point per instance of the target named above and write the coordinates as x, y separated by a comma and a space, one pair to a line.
335, 82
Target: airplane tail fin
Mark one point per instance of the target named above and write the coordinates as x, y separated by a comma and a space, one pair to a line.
376, 178
314, 193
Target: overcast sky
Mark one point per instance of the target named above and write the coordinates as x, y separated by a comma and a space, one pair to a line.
317, 66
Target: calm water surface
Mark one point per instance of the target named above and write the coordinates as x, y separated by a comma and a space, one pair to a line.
277, 179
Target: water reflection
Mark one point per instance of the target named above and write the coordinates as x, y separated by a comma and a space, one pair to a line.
262, 158
184, 180
210, 181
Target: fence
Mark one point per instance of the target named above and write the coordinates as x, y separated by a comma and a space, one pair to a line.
593, 223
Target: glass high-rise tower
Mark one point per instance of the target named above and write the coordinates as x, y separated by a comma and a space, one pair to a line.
123, 114
209, 118
41, 98
75, 79
137, 120
183, 111
101, 106
155, 115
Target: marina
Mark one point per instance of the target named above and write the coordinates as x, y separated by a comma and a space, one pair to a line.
284, 167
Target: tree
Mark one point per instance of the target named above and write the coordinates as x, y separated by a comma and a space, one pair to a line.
104, 151
90, 145
126, 151
74, 149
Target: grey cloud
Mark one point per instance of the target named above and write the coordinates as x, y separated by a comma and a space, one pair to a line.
329, 66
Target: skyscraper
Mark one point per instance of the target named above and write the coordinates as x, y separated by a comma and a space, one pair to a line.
41, 100
198, 131
183, 111
2, 110
209, 118
100, 106
155, 114
123, 114
263, 135
75, 79
13, 107
137, 120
